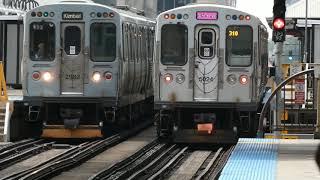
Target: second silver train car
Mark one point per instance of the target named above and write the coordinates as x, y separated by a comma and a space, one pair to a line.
210, 71
87, 69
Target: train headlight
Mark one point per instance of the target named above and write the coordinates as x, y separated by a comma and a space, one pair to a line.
96, 77
168, 78
232, 79
47, 76
166, 16
36, 75
244, 79
180, 78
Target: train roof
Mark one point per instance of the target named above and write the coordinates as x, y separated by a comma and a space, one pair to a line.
120, 12
203, 5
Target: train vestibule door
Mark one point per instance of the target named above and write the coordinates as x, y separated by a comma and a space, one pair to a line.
206, 63
72, 58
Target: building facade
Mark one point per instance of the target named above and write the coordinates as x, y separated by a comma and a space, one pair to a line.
164, 5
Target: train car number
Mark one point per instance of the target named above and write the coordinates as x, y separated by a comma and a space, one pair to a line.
206, 79
73, 76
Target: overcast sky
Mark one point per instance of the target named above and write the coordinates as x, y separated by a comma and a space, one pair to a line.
262, 8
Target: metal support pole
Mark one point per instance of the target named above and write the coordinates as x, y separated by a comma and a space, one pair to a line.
306, 35
278, 78
317, 130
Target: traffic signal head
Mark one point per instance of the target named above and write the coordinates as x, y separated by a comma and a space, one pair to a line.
279, 23
279, 9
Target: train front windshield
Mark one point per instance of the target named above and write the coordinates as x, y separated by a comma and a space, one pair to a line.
239, 45
174, 44
42, 41
103, 42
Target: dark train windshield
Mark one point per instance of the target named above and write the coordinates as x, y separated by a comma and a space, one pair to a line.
42, 41
103, 42
174, 44
239, 46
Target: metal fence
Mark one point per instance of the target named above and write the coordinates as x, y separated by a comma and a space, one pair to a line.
297, 106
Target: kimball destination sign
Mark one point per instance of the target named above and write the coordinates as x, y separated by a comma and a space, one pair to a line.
72, 16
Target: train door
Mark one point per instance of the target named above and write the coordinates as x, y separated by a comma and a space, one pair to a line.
206, 63
72, 58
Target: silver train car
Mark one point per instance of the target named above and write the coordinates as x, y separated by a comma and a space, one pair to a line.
86, 69
210, 72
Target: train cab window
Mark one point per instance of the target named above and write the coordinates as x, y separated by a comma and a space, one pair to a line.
103, 42
72, 42
174, 44
42, 41
207, 43
239, 46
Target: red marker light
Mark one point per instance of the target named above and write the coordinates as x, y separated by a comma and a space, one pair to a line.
168, 78
278, 24
36, 75
243, 79
108, 75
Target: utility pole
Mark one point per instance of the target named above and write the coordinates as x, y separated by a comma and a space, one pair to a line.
305, 56
278, 36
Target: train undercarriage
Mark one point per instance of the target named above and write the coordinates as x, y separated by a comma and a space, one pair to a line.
206, 125
91, 119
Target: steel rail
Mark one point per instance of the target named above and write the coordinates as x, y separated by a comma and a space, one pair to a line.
69, 162
221, 162
106, 173
15, 149
58, 157
206, 170
15, 144
24, 155
169, 164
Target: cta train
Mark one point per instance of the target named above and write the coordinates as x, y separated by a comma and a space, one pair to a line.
86, 69
210, 73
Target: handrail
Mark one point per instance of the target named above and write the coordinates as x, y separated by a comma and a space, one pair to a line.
263, 111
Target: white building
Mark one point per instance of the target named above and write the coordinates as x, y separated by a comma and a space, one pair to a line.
298, 9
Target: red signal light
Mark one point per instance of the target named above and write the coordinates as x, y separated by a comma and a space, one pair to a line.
278, 24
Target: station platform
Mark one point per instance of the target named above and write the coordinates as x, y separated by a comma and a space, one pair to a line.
272, 159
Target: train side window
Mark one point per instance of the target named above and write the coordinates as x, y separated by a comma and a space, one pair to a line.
239, 45
42, 41
174, 44
103, 42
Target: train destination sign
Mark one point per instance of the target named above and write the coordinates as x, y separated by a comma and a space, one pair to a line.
72, 16
207, 15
